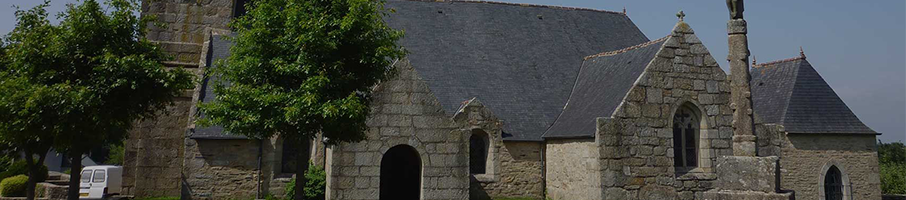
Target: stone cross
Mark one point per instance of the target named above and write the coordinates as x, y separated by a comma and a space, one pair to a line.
680, 15
740, 90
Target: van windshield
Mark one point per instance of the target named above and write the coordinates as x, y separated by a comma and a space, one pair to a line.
86, 176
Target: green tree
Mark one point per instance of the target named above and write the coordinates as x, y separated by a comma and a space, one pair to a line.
892, 159
302, 67
83, 83
30, 108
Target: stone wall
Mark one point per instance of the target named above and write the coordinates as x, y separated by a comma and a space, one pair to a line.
185, 24
221, 169
806, 158
573, 169
519, 171
153, 153
405, 112
636, 144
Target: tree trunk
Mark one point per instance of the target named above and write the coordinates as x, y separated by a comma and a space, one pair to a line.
75, 174
301, 167
32, 180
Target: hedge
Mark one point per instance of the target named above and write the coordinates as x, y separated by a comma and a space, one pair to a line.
13, 186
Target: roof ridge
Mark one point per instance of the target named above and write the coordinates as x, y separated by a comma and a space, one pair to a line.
615, 52
525, 5
779, 61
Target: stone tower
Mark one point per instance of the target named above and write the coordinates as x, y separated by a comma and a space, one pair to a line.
740, 91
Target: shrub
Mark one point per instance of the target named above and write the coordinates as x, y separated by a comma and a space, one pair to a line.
13, 186
314, 187
21, 168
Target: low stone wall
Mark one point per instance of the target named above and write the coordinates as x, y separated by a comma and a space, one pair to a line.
573, 171
806, 158
519, 171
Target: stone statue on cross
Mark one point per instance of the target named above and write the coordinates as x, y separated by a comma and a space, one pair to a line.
736, 8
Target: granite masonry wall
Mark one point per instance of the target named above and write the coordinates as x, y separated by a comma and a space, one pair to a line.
155, 148
573, 169
185, 24
221, 169
806, 158
636, 144
519, 171
153, 153
405, 112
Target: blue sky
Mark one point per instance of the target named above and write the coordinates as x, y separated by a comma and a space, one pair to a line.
859, 47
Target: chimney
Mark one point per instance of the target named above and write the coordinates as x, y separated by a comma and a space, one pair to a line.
740, 91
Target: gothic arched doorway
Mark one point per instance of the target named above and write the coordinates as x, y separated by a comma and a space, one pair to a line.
833, 184
401, 174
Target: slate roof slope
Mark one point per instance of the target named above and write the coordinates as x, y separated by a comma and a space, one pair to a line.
602, 84
791, 93
520, 60
219, 49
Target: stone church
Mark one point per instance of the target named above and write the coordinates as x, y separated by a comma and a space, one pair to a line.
517, 100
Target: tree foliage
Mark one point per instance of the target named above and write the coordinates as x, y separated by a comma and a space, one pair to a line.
82, 83
300, 67
892, 158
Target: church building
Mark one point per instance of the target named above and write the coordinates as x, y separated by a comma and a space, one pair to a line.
518, 100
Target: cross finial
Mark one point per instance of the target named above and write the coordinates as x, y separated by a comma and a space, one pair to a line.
680, 15
624, 10
801, 52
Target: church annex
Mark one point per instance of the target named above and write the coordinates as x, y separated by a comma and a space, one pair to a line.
516, 100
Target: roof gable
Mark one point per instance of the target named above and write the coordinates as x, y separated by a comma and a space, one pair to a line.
792, 93
603, 82
520, 60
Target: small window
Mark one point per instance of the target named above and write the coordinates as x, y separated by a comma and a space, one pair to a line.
685, 137
240, 6
99, 176
478, 152
288, 160
86, 176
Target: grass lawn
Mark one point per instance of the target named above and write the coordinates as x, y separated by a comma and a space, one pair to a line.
514, 198
157, 198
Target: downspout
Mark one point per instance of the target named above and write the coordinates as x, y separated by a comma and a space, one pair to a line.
543, 169
258, 182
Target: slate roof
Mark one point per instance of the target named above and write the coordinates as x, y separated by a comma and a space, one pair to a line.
219, 49
602, 84
520, 60
792, 93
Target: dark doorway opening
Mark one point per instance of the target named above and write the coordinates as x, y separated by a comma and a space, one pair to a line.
401, 174
833, 184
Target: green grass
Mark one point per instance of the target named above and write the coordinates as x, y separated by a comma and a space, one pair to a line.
157, 198
514, 198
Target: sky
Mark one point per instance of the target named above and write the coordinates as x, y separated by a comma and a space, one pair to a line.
859, 47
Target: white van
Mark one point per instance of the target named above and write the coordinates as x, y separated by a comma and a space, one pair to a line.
100, 181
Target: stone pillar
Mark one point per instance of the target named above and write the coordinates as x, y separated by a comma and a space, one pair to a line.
740, 91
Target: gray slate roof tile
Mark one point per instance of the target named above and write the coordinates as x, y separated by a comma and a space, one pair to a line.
603, 82
521, 61
793, 94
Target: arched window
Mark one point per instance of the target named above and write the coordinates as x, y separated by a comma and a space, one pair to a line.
478, 152
833, 184
685, 136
